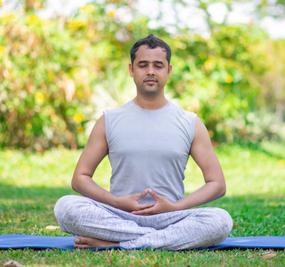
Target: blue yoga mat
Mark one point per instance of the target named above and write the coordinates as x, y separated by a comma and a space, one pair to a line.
66, 242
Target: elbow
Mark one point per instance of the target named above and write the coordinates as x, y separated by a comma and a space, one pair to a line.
74, 183
223, 190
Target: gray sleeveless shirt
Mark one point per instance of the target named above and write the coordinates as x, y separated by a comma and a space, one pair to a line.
149, 149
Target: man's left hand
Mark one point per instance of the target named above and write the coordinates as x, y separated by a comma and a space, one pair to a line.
161, 205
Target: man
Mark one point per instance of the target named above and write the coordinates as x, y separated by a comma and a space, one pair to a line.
148, 142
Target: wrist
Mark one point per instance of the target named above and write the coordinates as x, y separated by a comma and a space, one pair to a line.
174, 206
178, 205
114, 201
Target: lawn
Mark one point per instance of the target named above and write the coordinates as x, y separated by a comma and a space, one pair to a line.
31, 183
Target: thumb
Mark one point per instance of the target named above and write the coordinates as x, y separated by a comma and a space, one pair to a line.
154, 195
141, 194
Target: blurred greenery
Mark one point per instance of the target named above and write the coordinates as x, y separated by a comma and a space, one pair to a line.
58, 74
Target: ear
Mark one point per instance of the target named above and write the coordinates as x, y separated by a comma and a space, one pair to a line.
131, 69
169, 69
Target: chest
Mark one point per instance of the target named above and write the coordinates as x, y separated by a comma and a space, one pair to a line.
161, 136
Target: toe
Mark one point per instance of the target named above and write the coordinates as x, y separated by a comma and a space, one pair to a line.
80, 240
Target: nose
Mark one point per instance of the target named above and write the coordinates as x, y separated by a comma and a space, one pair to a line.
150, 70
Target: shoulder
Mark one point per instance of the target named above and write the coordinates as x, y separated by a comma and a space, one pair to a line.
107, 117
116, 111
202, 137
112, 117
189, 115
194, 123
185, 120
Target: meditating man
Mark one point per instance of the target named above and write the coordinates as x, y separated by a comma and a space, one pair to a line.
148, 141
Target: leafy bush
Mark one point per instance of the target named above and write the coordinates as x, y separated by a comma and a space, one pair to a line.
45, 88
220, 78
57, 75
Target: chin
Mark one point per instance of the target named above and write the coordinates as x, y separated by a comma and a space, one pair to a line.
150, 92
150, 89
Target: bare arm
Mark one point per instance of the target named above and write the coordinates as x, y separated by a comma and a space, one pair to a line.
203, 154
94, 152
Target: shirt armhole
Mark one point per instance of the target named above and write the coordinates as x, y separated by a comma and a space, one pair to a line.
107, 126
193, 118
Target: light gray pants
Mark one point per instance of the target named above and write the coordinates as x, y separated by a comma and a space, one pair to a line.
192, 228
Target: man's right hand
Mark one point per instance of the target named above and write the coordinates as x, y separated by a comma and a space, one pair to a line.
130, 203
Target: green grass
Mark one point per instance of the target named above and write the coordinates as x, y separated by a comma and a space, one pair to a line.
31, 183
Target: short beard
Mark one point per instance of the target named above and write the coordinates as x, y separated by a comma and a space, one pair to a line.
149, 94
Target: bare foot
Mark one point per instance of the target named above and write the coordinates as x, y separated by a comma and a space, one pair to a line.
88, 242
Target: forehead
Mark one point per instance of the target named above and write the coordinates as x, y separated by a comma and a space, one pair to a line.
144, 53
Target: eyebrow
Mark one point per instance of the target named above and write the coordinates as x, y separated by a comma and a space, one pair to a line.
145, 61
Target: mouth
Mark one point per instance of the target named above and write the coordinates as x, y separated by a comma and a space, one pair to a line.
150, 81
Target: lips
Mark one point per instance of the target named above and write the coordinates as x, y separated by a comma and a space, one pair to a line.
150, 81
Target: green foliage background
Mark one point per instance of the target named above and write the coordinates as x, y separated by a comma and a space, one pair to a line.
58, 74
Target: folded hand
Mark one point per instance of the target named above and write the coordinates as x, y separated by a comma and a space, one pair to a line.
161, 205
130, 203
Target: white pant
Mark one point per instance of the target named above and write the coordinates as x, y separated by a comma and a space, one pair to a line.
192, 228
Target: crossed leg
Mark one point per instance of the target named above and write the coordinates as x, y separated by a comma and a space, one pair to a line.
99, 224
94, 224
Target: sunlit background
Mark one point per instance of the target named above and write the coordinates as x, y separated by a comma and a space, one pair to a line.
63, 62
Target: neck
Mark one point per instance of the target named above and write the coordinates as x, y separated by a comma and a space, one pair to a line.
153, 103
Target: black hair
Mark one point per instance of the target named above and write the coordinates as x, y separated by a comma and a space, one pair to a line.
152, 42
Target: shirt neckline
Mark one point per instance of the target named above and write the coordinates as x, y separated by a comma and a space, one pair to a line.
165, 106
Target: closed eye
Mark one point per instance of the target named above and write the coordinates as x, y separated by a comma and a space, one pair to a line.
158, 66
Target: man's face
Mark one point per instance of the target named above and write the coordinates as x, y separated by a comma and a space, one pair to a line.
150, 70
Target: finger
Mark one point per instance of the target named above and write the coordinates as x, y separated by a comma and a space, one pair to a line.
141, 194
148, 211
148, 190
144, 206
154, 195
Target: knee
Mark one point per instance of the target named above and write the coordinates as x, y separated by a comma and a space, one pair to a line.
64, 208
222, 221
